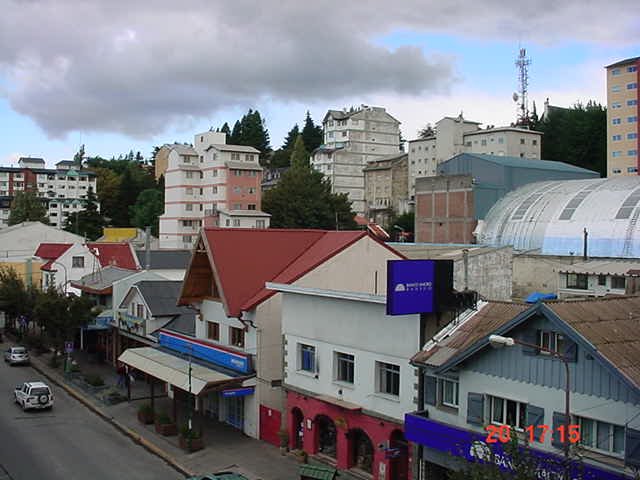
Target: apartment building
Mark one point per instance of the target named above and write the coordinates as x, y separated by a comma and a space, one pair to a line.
204, 179
623, 129
452, 136
352, 138
63, 190
386, 189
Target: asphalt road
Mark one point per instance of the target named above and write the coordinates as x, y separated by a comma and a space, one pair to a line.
68, 442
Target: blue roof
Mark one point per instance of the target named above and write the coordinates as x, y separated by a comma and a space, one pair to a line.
536, 297
529, 163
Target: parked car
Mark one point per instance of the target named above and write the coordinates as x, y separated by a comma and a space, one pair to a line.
16, 356
33, 395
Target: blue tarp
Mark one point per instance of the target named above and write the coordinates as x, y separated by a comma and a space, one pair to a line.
536, 297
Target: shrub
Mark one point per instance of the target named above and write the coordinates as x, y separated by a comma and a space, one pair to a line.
187, 433
163, 419
94, 380
145, 409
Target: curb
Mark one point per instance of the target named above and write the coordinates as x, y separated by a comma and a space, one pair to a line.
136, 437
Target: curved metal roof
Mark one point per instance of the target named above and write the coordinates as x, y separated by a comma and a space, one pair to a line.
552, 216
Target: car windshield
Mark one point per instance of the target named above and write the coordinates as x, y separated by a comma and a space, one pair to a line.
40, 391
19, 350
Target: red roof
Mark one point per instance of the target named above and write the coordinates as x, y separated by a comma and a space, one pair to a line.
51, 251
361, 221
244, 259
118, 254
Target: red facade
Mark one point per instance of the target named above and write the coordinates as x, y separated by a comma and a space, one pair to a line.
347, 437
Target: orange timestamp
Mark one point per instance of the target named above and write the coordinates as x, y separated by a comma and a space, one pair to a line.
502, 433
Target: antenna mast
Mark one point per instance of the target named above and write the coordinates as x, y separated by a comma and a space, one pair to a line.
523, 62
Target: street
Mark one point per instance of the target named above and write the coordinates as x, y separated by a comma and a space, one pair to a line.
68, 442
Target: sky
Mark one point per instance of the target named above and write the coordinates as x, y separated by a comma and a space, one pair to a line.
119, 76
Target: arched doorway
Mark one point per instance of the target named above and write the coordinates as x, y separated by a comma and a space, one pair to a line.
398, 454
361, 450
297, 428
326, 435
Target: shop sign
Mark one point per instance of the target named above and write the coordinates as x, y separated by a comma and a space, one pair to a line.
238, 392
410, 286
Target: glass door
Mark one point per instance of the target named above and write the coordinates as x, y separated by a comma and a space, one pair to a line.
235, 411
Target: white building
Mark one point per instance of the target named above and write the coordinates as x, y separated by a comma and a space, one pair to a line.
243, 219
201, 180
453, 136
351, 139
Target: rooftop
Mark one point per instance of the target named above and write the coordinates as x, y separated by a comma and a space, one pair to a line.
223, 147
503, 129
120, 254
517, 162
162, 297
102, 280
165, 259
629, 267
624, 62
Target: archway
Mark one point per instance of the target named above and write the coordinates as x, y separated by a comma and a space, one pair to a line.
326, 435
361, 450
398, 455
297, 428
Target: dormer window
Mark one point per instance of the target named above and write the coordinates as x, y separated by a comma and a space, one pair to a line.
551, 341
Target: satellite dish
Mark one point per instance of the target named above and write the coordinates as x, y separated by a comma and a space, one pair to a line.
515, 97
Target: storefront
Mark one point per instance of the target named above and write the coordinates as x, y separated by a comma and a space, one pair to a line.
444, 447
341, 434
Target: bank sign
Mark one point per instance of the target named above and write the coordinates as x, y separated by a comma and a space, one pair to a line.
471, 446
410, 286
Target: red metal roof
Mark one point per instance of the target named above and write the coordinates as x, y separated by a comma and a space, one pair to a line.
118, 254
244, 259
51, 251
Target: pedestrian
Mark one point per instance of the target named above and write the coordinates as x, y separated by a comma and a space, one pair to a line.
122, 375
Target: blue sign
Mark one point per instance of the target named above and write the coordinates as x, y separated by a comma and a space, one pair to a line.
68, 347
472, 446
238, 392
410, 286
238, 362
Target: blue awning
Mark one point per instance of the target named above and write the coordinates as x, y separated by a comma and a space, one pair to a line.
238, 392
536, 297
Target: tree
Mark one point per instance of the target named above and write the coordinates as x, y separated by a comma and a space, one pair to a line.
401, 142
290, 139
16, 299
427, 131
252, 132
88, 222
27, 207
311, 134
299, 155
235, 134
576, 136
303, 199
108, 186
225, 129
126, 196
79, 157
406, 222
147, 210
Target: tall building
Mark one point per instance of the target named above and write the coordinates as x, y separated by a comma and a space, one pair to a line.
623, 129
454, 135
203, 180
386, 189
63, 190
351, 139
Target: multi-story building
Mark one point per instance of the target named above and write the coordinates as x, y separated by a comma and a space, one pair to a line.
623, 129
352, 138
452, 136
202, 179
63, 190
386, 189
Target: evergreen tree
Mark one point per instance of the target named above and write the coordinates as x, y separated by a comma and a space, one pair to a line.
235, 134
290, 139
147, 210
299, 155
427, 131
88, 222
311, 134
27, 207
79, 157
225, 129
126, 196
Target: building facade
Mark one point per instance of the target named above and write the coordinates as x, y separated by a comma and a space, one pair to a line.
386, 188
200, 180
623, 128
352, 138
63, 190
453, 136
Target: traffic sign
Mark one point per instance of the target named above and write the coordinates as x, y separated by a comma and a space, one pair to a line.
68, 347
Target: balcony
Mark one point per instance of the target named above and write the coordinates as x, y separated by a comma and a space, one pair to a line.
132, 324
380, 204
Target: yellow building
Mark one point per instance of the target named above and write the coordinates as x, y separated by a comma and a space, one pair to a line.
623, 128
27, 270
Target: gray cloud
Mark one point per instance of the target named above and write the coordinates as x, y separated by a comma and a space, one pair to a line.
140, 67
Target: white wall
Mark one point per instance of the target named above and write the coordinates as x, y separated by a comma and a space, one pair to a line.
65, 272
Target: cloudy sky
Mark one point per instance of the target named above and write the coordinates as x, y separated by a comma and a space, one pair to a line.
119, 75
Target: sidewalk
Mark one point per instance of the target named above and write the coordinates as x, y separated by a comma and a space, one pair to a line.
224, 446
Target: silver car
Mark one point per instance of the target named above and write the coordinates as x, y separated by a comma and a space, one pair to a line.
16, 356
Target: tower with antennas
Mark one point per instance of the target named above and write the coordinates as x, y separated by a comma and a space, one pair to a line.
520, 97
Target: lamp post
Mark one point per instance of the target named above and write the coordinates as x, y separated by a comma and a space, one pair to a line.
498, 341
65, 274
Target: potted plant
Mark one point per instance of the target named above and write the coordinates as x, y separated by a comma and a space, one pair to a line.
283, 435
190, 439
301, 456
165, 426
145, 414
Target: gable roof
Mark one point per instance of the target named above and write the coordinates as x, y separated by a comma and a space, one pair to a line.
528, 163
243, 260
101, 282
119, 254
161, 297
223, 147
51, 251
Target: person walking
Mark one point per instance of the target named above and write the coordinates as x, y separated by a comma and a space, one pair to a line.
122, 376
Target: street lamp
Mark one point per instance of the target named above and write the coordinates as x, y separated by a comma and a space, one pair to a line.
498, 341
65, 274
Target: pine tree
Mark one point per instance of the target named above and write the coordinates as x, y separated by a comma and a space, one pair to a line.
147, 210
291, 137
235, 134
311, 134
225, 129
27, 207
79, 157
88, 222
299, 155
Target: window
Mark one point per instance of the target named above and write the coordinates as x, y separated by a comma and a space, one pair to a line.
213, 331
188, 207
522, 141
228, 222
214, 173
235, 156
388, 378
632, 169
260, 224
251, 190
140, 311
189, 191
237, 190
187, 239
251, 206
534, 142
615, 88
189, 174
617, 170
632, 103
632, 119
632, 136
330, 135
237, 173
236, 337
237, 206
615, 72
344, 134
248, 158
77, 262
601, 436
602, 280
618, 282
450, 393
632, 153
483, 143
577, 280
500, 139
550, 340
214, 189
616, 138
236, 222
632, 69
616, 121
307, 358
632, 86
617, 153
344, 367
615, 105
508, 412
467, 144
